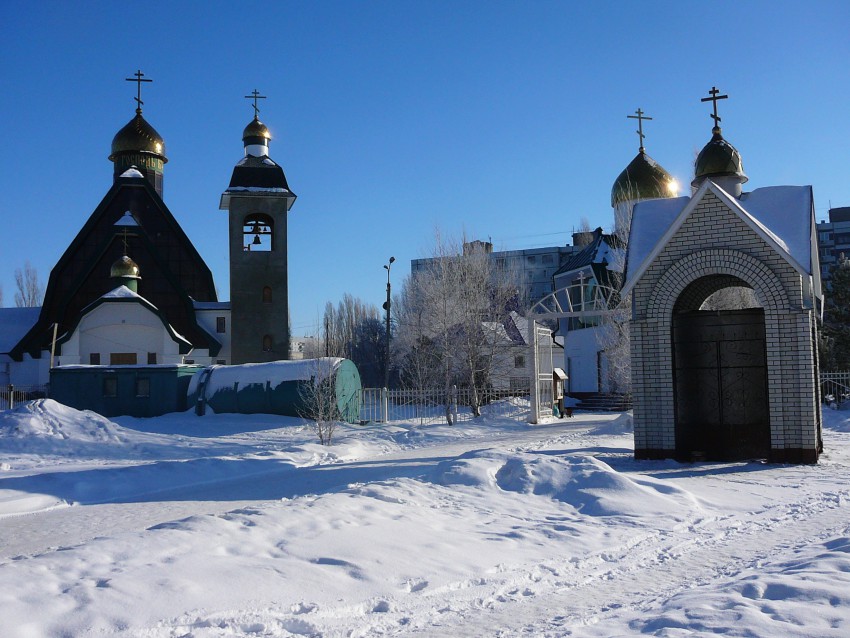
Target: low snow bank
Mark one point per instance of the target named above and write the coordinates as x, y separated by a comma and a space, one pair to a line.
45, 426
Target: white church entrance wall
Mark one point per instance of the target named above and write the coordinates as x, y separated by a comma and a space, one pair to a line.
711, 244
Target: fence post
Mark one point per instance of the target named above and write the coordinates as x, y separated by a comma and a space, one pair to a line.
11, 397
385, 412
454, 403
535, 374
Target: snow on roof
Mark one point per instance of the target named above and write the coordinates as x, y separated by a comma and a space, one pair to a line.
122, 292
276, 372
211, 305
256, 189
787, 212
781, 214
132, 172
14, 324
127, 219
650, 220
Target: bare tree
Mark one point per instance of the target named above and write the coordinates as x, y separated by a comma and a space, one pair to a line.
353, 329
731, 298
445, 315
30, 293
318, 399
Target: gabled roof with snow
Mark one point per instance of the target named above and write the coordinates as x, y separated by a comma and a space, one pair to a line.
122, 294
781, 215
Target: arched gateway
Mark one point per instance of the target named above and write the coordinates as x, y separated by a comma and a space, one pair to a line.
725, 384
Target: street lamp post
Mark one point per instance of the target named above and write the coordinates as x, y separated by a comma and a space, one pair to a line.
387, 308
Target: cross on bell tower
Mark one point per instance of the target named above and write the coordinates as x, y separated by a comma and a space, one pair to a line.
255, 95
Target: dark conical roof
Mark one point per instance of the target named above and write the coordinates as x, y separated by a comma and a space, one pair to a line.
718, 158
138, 136
643, 178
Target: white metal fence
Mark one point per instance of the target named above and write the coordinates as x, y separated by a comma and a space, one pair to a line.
433, 406
12, 396
835, 387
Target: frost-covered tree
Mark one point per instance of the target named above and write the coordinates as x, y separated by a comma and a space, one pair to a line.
319, 401
445, 315
353, 329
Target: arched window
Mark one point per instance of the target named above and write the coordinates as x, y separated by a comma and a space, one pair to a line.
257, 233
267, 343
267, 295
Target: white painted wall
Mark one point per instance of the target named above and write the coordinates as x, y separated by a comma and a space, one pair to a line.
120, 327
580, 359
207, 317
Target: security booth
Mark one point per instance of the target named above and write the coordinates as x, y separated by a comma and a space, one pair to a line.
559, 380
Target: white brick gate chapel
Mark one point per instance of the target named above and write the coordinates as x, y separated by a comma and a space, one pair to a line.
740, 382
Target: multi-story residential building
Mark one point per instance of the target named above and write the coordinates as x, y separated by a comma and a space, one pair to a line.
532, 267
833, 240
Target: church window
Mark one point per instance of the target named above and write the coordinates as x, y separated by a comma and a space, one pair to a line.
547, 259
532, 259
267, 295
257, 233
94, 358
267, 343
151, 358
221, 324
110, 387
143, 387
122, 358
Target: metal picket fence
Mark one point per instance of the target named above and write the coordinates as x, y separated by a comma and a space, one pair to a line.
430, 406
835, 387
12, 396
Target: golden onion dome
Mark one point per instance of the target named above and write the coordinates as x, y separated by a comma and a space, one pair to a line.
718, 158
125, 268
643, 178
138, 136
256, 129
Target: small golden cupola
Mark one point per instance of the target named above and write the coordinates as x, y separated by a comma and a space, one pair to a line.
139, 145
643, 178
126, 272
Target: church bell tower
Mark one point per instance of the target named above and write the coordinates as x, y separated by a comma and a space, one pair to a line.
257, 202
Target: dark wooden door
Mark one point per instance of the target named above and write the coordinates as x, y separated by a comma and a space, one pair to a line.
720, 376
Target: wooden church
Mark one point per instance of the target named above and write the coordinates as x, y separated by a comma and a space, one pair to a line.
132, 290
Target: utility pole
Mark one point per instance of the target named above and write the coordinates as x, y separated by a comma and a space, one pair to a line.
387, 308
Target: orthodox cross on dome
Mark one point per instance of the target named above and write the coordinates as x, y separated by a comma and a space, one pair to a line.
640, 117
714, 97
140, 77
256, 96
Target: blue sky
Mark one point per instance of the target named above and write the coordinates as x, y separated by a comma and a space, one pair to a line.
501, 120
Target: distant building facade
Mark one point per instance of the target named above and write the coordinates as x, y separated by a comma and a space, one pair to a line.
833, 240
533, 267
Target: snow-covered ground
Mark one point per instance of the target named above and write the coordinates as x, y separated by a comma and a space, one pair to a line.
232, 525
